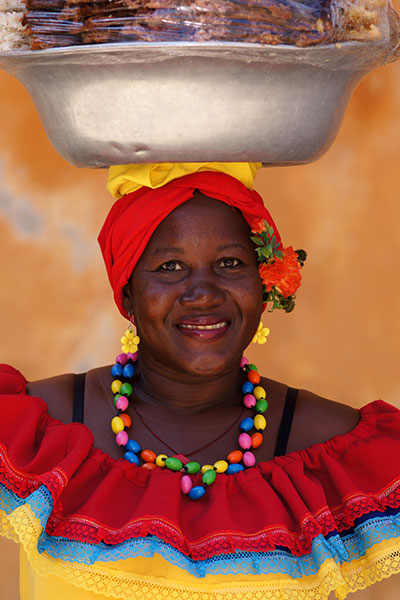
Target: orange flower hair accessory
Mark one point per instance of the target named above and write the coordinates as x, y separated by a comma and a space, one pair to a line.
279, 267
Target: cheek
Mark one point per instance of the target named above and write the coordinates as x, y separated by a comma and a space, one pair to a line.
248, 296
252, 285
152, 304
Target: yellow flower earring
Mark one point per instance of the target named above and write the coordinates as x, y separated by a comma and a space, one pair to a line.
261, 334
130, 340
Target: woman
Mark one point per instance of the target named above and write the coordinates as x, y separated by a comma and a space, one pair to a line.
298, 510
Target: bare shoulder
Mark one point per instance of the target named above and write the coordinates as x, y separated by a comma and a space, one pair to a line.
317, 419
57, 392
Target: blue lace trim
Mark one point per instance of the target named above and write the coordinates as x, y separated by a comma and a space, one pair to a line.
40, 502
345, 547
341, 549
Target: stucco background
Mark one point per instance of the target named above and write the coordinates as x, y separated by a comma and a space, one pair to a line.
342, 341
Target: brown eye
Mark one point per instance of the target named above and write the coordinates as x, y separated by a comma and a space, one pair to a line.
170, 266
229, 263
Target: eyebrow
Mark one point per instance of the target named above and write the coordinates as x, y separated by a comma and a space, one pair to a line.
227, 246
169, 249
166, 249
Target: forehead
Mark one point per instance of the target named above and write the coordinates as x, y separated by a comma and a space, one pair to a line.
202, 218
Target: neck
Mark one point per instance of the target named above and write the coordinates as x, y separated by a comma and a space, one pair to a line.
187, 393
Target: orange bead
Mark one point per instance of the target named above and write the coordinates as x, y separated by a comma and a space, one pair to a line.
149, 465
126, 419
235, 456
253, 377
256, 440
149, 456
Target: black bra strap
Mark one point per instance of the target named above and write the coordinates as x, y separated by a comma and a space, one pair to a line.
79, 398
286, 422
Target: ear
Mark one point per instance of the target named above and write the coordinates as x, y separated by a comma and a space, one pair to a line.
127, 298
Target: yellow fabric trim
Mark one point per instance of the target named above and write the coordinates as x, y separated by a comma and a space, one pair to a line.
154, 579
380, 562
124, 179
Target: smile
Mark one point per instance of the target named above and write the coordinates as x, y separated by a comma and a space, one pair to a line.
205, 327
201, 331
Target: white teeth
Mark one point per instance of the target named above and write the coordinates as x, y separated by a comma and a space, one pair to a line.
205, 327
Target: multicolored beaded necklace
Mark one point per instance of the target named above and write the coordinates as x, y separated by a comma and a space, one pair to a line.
250, 436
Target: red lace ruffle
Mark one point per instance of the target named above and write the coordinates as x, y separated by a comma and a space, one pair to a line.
285, 502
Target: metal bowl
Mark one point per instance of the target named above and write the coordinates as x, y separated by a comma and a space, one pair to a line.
172, 102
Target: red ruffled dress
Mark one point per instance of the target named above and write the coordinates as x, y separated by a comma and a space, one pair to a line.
299, 526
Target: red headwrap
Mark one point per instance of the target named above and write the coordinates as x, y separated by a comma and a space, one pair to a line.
133, 219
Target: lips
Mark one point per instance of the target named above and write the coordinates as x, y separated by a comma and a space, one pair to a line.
204, 327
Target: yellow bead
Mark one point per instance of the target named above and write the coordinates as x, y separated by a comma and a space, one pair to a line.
129, 334
261, 339
259, 392
259, 422
205, 468
160, 460
117, 424
265, 332
136, 340
124, 340
220, 466
125, 349
116, 386
255, 338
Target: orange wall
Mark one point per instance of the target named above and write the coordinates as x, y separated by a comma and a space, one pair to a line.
343, 339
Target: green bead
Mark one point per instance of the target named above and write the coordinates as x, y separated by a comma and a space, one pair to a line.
174, 464
261, 405
126, 389
252, 367
192, 467
209, 477
116, 398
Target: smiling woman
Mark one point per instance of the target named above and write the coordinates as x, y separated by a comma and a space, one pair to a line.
197, 281
228, 485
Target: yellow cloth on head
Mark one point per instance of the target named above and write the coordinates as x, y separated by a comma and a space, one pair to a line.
124, 179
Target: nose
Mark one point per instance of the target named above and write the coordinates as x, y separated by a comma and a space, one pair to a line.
202, 292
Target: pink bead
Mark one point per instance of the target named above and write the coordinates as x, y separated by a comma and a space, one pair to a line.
186, 484
244, 362
249, 460
133, 356
122, 438
122, 403
249, 401
244, 441
122, 359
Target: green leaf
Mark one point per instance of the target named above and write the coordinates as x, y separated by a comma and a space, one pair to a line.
289, 306
257, 240
302, 256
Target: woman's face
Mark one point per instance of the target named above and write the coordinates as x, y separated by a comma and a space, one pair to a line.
196, 293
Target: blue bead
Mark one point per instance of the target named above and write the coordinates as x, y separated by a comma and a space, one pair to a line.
133, 446
247, 387
129, 371
131, 457
197, 492
247, 424
116, 370
234, 468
